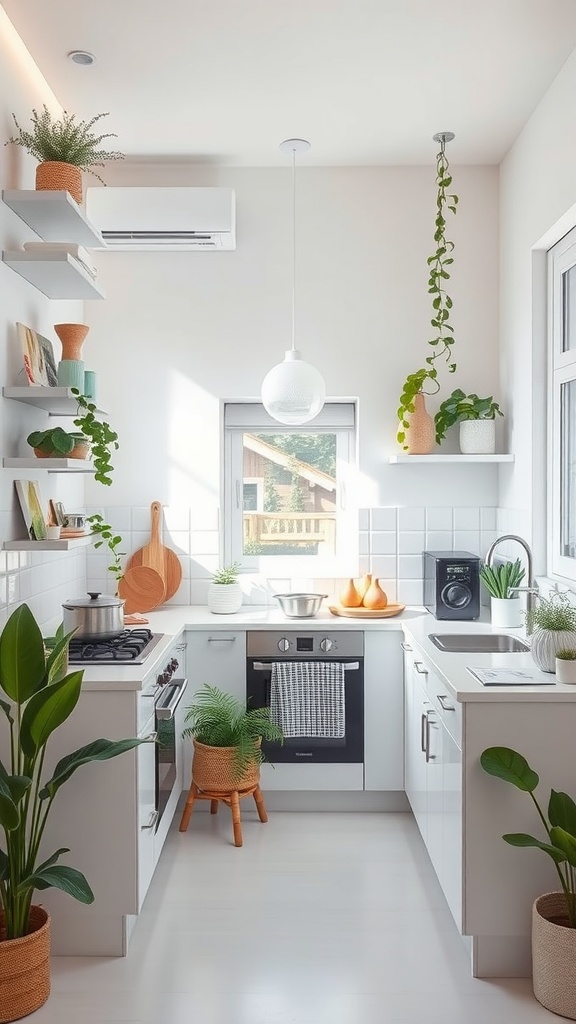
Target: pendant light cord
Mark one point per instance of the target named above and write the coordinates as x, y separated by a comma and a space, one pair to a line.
293, 249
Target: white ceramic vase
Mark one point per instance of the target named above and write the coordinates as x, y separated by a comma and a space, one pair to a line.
566, 671
224, 598
506, 613
545, 643
478, 437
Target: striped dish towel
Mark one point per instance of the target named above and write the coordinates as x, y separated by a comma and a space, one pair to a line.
307, 698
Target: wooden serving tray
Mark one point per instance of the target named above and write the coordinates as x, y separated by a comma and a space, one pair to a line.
367, 613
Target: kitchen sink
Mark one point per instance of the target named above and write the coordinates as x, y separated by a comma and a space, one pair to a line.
478, 643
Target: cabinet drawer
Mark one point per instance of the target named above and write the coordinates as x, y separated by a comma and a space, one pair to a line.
449, 710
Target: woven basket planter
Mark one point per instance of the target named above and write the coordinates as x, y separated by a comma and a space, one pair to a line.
53, 174
25, 969
553, 956
213, 769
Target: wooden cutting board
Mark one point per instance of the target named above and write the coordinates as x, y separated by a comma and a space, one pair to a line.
155, 555
142, 589
367, 613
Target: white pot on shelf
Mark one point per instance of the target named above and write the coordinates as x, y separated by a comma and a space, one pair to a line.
506, 613
224, 598
478, 437
565, 671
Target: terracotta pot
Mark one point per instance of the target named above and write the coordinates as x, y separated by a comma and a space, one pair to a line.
213, 769
25, 968
349, 596
56, 175
553, 955
420, 435
81, 450
72, 337
375, 597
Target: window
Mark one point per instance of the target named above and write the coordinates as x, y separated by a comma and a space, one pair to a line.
562, 406
287, 491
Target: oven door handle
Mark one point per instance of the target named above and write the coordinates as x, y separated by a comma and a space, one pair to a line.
264, 666
171, 696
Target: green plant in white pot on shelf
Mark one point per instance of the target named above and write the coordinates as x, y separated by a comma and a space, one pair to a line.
500, 582
477, 419
566, 665
225, 592
554, 913
552, 623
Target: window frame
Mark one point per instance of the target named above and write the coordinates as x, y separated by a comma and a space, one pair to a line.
339, 418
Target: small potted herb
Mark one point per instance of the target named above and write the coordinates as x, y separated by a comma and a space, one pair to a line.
566, 665
64, 147
224, 592
500, 581
476, 417
553, 624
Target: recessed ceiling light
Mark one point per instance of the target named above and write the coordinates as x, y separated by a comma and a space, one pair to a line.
82, 57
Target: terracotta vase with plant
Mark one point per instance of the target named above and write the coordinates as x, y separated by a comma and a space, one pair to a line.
554, 913
64, 147
37, 695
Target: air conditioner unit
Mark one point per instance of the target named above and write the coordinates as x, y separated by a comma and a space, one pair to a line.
162, 219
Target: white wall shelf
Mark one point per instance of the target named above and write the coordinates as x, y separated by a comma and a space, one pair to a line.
65, 544
396, 459
51, 465
57, 274
54, 215
56, 401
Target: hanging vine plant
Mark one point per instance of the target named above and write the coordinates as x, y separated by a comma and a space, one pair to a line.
425, 380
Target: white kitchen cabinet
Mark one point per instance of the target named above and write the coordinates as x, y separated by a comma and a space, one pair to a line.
383, 711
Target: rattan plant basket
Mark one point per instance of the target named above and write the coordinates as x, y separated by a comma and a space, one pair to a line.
25, 968
553, 956
213, 769
54, 174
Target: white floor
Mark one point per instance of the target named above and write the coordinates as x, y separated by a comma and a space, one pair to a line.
318, 919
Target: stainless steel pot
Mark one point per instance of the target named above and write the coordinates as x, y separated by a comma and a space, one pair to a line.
300, 606
75, 520
96, 617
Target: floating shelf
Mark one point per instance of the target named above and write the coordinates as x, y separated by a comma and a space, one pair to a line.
48, 545
395, 459
57, 274
56, 401
54, 216
51, 465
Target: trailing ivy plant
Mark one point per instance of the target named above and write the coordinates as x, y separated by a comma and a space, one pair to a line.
113, 540
425, 379
103, 440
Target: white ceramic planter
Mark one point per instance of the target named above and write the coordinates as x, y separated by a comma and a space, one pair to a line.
545, 643
478, 437
566, 671
506, 613
224, 598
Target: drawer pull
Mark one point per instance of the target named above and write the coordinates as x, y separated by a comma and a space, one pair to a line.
405, 647
420, 669
154, 815
221, 639
443, 699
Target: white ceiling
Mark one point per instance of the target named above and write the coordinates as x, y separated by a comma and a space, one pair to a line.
366, 81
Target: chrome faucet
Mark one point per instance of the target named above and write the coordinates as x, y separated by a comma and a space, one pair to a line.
531, 590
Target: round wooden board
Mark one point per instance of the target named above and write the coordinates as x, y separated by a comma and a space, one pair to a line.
367, 613
157, 556
142, 589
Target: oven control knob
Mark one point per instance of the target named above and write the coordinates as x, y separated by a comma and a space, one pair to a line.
284, 644
326, 644
173, 664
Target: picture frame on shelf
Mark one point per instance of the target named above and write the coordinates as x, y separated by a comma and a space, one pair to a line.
32, 505
38, 355
57, 514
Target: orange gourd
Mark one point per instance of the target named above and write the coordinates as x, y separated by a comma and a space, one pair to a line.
349, 597
375, 598
364, 586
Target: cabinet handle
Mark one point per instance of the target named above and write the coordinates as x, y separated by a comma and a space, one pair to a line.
429, 756
154, 815
422, 733
442, 698
221, 639
419, 669
405, 647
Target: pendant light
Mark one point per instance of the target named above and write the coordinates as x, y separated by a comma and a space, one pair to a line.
293, 392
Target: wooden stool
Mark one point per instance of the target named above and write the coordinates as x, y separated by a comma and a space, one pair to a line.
231, 798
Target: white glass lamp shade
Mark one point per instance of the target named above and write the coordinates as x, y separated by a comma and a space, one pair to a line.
293, 391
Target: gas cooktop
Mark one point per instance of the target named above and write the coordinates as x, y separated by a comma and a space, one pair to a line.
130, 647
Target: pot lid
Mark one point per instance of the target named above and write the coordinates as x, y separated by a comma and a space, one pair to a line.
94, 600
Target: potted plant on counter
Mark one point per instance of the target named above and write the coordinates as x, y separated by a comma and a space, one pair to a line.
553, 625
566, 665
64, 146
553, 914
476, 417
37, 696
225, 592
500, 582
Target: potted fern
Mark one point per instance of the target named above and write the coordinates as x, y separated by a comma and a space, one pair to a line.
553, 625
64, 147
500, 582
224, 592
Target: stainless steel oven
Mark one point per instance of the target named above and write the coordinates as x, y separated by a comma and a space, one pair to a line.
311, 653
162, 694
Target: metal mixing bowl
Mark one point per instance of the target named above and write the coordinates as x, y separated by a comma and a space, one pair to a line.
300, 606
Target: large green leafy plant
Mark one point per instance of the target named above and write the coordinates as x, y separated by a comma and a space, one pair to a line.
425, 379
501, 580
41, 696
217, 719
67, 139
560, 825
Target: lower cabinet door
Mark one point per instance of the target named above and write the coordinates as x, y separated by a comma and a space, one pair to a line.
451, 879
147, 813
414, 748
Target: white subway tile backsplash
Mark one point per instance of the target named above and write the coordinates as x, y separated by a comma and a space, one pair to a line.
364, 519
12, 588
466, 519
440, 540
384, 518
204, 542
119, 517
182, 595
439, 519
488, 518
487, 537
467, 540
141, 519
179, 541
390, 588
384, 565
410, 567
176, 517
384, 543
411, 543
410, 591
199, 591
363, 543
203, 566
411, 518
